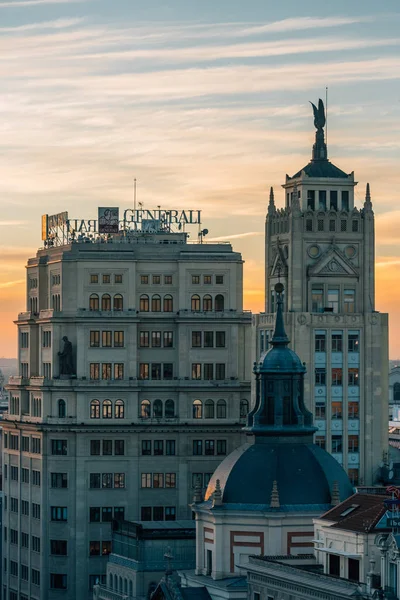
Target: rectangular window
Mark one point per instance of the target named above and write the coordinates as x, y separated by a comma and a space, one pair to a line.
208, 371
95, 447
320, 341
107, 447
311, 199
144, 279
14, 442
156, 371
337, 341
354, 478
158, 513
106, 480
36, 478
168, 339
145, 513
170, 447
13, 536
118, 371
94, 339
95, 480
58, 547
345, 200
337, 443
58, 581
353, 342
119, 448
220, 371
59, 447
24, 475
158, 480
146, 480
106, 371
146, 447
105, 548
25, 540
221, 447
168, 371
322, 199
46, 370
207, 279
35, 577
25, 443
337, 376
13, 568
14, 505
36, 445
158, 447
220, 339
24, 508
320, 410
349, 301
195, 279
332, 225
35, 510
197, 447
208, 339
156, 339
119, 480
106, 278
353, 410
94, 370
353, 443
317, 300
59, 513
23, 370
94, 514
144, 339
119, 339
156, 279
333, 200
196, 339
46, 339
14, 473
337, 410
353, 377
219, 279
35, 543
94, 278
170, 480
321, 441
119, 513
106, 514
59, 480
168, 279
354, 229
25, 340
196, 371
170, 513
320, 376
209, 448
333, 300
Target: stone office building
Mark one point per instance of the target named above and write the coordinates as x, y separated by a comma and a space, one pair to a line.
134, 384
322, 247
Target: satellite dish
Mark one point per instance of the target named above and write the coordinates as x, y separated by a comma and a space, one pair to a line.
205, 231
390, 475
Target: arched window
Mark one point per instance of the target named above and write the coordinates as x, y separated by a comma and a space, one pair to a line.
125, 586
115, 583
110, 581
62, 409
119, 409
106, 302
207, 302
244, 408
144, 303
120, 585
95, 409
94, 302
145, 407
157, 408
156, 303
195, 305
396, 392
170, 409
221, 409
209, 409
107, 409
130, 588
168, 305
219, 302
118, 302
197, 409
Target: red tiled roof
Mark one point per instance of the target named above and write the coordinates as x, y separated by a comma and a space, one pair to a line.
368, 510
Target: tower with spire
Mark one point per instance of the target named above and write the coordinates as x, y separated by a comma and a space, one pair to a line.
320, 245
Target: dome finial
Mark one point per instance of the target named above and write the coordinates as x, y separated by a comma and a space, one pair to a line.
368, 203
274, 502
271, 205
279, 337
217, 495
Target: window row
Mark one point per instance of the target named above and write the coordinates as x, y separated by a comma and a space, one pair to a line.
158, 480
353, 341
107, 303
329, 299
337, 376
207, 279
23, 574
209, 409
155, 304
353, 410
158, 447
33, 305
27, 476
46, 339
106, 339
11, 441
32, 283
158, 513
99, 548
56, 302
105, 447
156, 371
209, 371
211, 447
23, 539
332, 224
107, 409
318, 199
14, 507
117, 584
24, 339
157, 409
207, 303
156, 339
155, 279
106, 278
56, 279
353, 443
106, 481
110, 371
105, 514
208, 339
201, 479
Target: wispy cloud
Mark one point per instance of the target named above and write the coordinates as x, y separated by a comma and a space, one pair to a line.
12, 223
234, 236
8, 284
23, 3
56, 24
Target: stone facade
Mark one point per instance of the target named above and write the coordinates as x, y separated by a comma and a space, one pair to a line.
158, 393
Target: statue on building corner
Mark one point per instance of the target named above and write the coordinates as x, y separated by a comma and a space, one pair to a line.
65, 357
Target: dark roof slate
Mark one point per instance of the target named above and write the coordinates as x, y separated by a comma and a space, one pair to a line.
321, 168
370, 509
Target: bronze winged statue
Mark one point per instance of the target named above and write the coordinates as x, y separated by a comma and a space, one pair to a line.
319, 114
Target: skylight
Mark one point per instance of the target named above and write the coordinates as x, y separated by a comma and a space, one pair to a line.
349, 510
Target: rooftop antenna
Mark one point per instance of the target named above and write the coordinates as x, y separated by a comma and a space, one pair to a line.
134, 194
326, 116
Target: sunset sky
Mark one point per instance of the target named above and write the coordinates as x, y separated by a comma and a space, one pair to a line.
206, 104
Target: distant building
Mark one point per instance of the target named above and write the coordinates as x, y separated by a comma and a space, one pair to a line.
322, 247
394, 394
